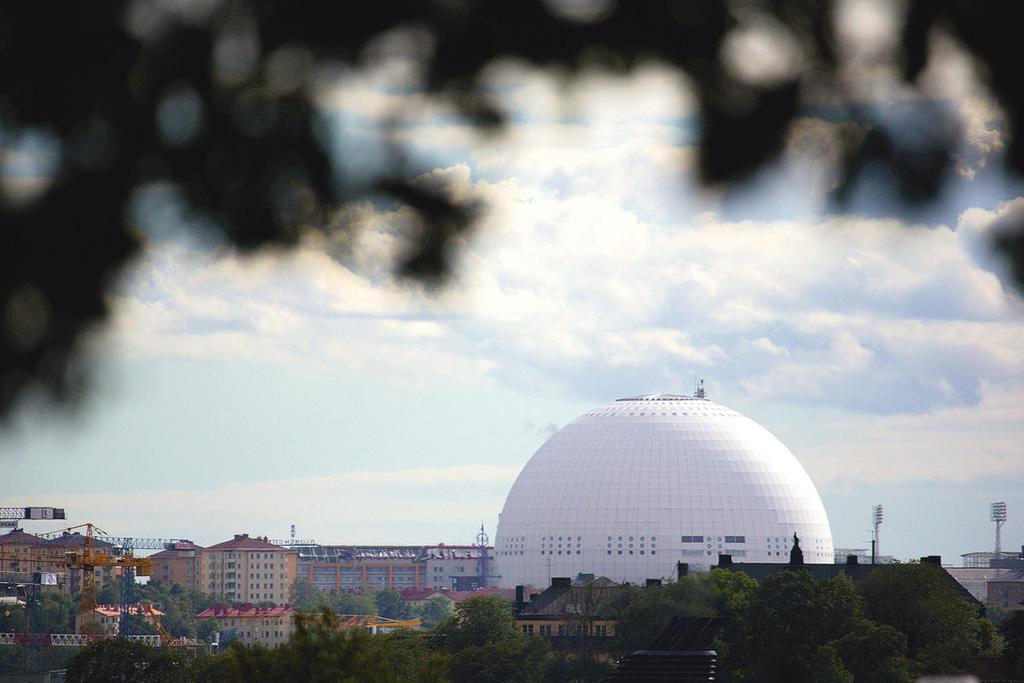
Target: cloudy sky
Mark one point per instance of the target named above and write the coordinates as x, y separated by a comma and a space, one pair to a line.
244, 394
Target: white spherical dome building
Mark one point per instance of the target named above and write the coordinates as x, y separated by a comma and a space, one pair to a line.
629, 489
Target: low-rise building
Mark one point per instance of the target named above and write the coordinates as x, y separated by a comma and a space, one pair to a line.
269, 626
248, 570
573, 610
1007, 591
108, 617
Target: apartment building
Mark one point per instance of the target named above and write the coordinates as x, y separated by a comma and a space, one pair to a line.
361, 569
269, 626
248, 570
457, 567
21, 552
180, 564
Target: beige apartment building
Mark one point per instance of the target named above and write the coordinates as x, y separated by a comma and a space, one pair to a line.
248, 570
180, 564
269, 626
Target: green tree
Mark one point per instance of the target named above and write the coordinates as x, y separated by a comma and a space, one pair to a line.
649, 610
321, 651
787, 630
433, 611
57, 613
943, 629
13, 618
1012, 630
875, 653
109, 594
110, 661
479, 621
305, 597
390, 604
353, 603
486, 645
517, 659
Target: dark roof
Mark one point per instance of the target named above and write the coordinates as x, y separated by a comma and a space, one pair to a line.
856, 572
688, 633
679, 653
76, 540
19, 537
648, 666
598, 598
244, 542
1015, 577
173, 552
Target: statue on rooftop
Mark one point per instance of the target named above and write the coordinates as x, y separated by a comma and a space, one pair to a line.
796, 556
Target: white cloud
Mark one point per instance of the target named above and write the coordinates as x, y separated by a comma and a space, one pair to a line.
869, 314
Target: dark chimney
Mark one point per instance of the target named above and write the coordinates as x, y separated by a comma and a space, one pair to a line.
682, 569
932, 559
519, 595
561, 582
851, 559
724, 559
653, 582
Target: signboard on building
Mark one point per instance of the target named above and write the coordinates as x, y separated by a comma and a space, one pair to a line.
48, 579
44, 513
8, 523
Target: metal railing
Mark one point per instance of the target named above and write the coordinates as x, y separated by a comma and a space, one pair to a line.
82, 639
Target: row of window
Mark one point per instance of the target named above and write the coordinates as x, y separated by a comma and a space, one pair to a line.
597, 630
700, 539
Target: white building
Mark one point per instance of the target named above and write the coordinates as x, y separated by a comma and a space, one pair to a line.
629, 489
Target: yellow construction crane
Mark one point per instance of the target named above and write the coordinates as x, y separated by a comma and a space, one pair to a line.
166, 639
88, 558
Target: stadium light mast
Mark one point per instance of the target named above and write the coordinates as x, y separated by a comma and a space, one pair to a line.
997, 513
877, 513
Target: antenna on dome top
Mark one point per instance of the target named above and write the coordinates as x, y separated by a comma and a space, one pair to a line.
699, 393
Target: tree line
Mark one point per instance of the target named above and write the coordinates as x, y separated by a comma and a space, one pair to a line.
901, 622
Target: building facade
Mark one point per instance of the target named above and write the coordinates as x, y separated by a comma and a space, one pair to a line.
178, 565
1007, 591
69, 542
457, 567
108, 617
361, 569
567, 611
269, 626
21, 552
248, 570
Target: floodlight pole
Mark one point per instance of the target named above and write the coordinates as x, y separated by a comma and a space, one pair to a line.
877, 514
997, 513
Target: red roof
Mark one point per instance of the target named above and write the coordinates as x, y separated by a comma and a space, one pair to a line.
243, 542
115, 610
222, 612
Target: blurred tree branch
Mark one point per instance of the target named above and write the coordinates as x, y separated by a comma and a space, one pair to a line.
216, 98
